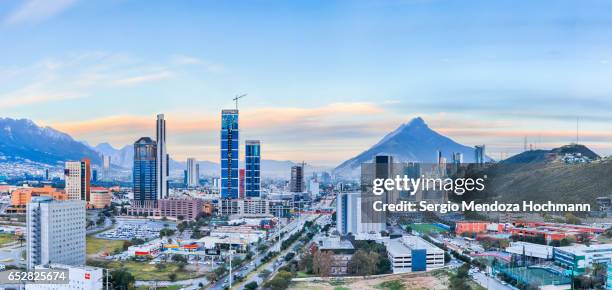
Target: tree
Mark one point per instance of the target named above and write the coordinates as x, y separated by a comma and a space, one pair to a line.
305, 263
571, 218
179, 258
264, 273
321, 263
280, 281
172, 276
251, 286
137, 241
122, 279
459, 280
363, 263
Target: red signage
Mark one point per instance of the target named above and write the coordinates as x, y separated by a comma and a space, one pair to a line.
87, 276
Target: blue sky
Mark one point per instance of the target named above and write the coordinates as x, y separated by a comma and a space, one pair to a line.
326, 79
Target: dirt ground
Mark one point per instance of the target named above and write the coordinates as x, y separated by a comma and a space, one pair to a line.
433, 281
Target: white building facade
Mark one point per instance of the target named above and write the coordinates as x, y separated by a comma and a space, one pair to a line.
55, 232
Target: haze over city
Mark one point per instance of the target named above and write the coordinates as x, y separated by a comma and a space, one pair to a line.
325, 80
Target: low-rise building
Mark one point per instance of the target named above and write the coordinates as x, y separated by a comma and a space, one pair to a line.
342, 251
100, 198
179, 208
531, 250
413, 254
578, 258
20, 197
79, 278
148, 249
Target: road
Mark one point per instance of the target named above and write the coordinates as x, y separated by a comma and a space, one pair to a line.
270, 266
489, 282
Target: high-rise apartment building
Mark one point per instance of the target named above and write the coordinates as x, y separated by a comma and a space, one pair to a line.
479, 154
349, 216
162, 159
144, 175
55, 232
229, 154
252, 164
297, 179
193, 178
77, 178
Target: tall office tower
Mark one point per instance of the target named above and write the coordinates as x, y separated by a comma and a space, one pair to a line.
297, 178
384, 169
47, 174
439, 157
253, 168
77, 176
94, 175
229, 154
162, 170
241, 183
479, 154
55, 232
144, 175
193, 177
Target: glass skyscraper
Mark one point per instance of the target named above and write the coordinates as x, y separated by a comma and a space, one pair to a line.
229, 154
252, 168
144, 172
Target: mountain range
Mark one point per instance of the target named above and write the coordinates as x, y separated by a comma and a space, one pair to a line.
21, 140
413, 141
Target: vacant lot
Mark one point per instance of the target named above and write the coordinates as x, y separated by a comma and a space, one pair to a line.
431, 280
97, 248
146, 271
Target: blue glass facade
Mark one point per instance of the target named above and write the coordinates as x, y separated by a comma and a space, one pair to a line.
252, 165
144, 175
229, 154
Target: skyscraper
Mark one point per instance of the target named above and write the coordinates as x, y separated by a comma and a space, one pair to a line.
77, 176
162, 158
193, 177
55, 232
252, 158
144, 173
229, 154
297, 179
479, 154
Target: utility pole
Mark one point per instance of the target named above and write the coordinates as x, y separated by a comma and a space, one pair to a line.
230, 269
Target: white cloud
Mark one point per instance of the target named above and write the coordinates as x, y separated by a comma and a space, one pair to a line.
132, 80
33, 11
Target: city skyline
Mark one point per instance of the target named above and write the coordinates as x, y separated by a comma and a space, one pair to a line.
343, 74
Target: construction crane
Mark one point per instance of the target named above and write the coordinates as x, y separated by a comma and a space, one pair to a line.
238, 97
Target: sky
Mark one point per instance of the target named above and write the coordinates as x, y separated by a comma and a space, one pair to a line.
325, 79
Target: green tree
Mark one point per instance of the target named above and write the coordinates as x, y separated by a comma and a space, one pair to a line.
122, 279
251, 286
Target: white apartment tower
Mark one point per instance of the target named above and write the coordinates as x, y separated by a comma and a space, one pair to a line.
55, 232
192, 172
162, 170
